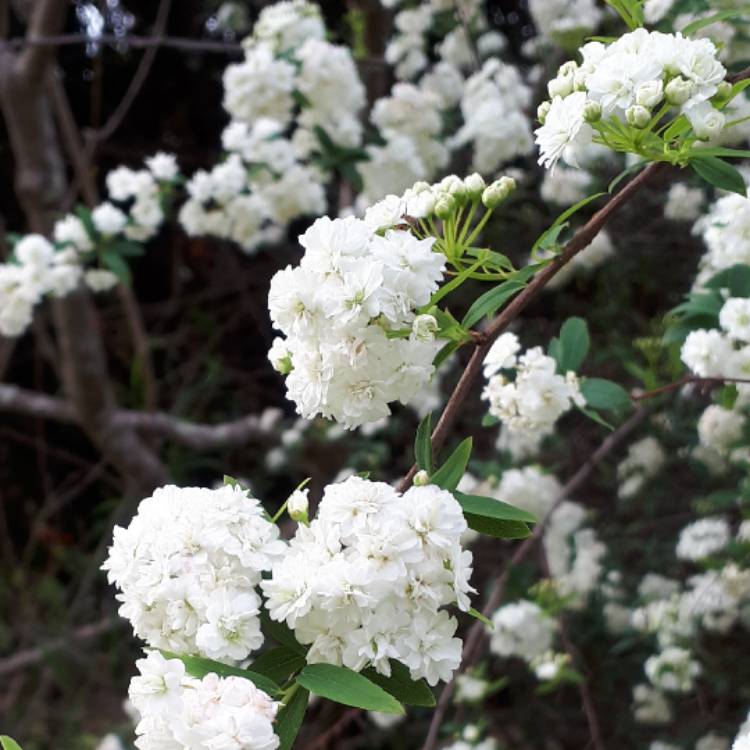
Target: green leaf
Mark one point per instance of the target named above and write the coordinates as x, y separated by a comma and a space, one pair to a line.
342, 685
8, 743
677, 127
718, 173
491, 508
735, 278
401, 686
595, 417
198, 666
127, 248
117, 265
423, 444
489, 420
574, 344
446, 352
604, 394
491, 301
496, 528
491, 258
701, 23
281, 633
729, 153
449, 474
699, 304
477, 615
553, 231
289, 719
278, 664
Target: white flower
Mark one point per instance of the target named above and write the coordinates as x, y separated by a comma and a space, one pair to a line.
521, 629
71, 230
163, 166
563, 127
187, 567
703, 538
108, 220
673, 670
100, 279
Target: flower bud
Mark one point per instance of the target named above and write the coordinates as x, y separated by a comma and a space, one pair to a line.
723, 92
474, 185
424, 327
560, 86
709, 125
568, 68
542, 111
421, 478
454, 186
297, 506
678, 91
592, 111
498, 191
279, 356
579, 80
649, 94
445, 205
637, 116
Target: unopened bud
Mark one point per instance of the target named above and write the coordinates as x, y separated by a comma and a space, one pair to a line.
560, 86
637, 116
474, 185
723, 92
421, 478
649, 94
498, 191
542, 111
297, 506
424, 327
445, 205
678, 91
592, 111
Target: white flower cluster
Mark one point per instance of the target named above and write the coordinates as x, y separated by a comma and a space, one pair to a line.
683, 203
673, 669
574, 553
722, 352
180, 712
644, 461
725, 230
366, 581
625, 81
416, 25
703, 538
291, 83
537, 397
353, 290
40, 267
494, 105
522, 629
187, 567
562, 20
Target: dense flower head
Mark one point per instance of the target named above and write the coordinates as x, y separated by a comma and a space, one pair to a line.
187, 567
625, 81
354, 289
703, 538
537, 397
367, 580
521, 629
180, 712
673, 669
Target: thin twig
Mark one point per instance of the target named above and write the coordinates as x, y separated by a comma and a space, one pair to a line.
580, 240
17, 400
477, 633
687, 380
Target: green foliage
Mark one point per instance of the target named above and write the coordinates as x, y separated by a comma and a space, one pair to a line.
631, 11
278, 664
720, 174
605, 394
423, 444
494, 517
8, 743
401, 686
571, 348
343, 685
492, 300
281, 633
290, 718
449, 474
199, 667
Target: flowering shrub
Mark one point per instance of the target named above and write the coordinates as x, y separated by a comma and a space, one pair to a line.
416, 261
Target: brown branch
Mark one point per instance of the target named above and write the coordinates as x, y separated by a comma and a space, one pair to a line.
15, 400
580, 240
473, 644
136, 83
32, 63
24, 659
687, 380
